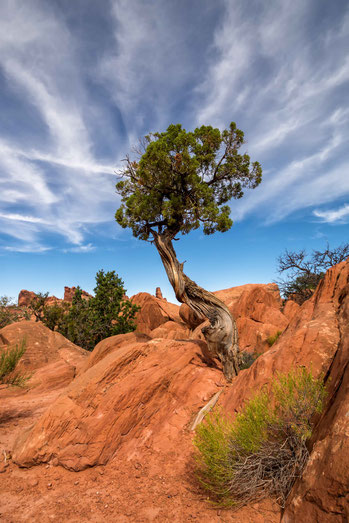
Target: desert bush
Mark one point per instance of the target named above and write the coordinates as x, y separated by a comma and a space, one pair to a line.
38, 305
10, 313
88, 321
304, 272
273, 338
263, 450
105, 314
247, 358
8, 361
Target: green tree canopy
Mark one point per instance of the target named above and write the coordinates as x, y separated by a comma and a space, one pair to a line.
184, 180
89, 320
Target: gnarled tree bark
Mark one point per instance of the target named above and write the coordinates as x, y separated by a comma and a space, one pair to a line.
221, 335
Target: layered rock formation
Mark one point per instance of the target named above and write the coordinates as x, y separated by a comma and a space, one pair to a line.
50, 359
135, 394
257, 309
25, 297
140, 394
154, 312
69, 293
158, 294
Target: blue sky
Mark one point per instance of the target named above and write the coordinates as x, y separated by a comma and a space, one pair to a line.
81, 81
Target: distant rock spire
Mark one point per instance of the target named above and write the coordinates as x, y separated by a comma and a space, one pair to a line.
158, 293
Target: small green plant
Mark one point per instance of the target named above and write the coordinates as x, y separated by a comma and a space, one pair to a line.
8, 361
247, 358
273, 338
263, 450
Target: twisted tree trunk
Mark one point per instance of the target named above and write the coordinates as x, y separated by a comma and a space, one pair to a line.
221, 336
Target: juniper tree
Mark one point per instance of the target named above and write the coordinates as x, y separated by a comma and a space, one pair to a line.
304, 271
178, 182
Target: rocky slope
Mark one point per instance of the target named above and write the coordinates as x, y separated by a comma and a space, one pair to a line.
50, 359
257, 309
131, 407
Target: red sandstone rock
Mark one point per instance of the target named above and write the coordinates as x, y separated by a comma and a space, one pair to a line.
290, 309
110, 345
256, 309
142, 394
232, 295
25, 297
140, 397
158, 293
53, 300
171, 330
188, 316
70, 291
322, 494
49, 357
154, 312
317, 337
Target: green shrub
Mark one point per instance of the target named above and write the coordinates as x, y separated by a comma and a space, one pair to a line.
105, 314
10, 313
8, 362
262, 451
88, 321
272, 339
247, 358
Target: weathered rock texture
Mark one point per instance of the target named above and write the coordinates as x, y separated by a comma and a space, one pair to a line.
290, 309
171, 330
158, 293
256, 308
142, 394
25, 297
51, 359
154, 312
257, 312
189, 317
70, 291
322, 494
318, 338
138, 395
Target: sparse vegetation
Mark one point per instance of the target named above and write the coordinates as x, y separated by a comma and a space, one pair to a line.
273, 338
38, 306
88, 321
9, 359
105, 314
263, 450
9, 313
247, 358
304, 272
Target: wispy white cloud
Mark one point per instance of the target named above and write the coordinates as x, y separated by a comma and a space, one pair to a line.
288, 92
153, 66
27, 248
50, 168
340, 215
81, 248
306, 182
264, 66
21, 218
